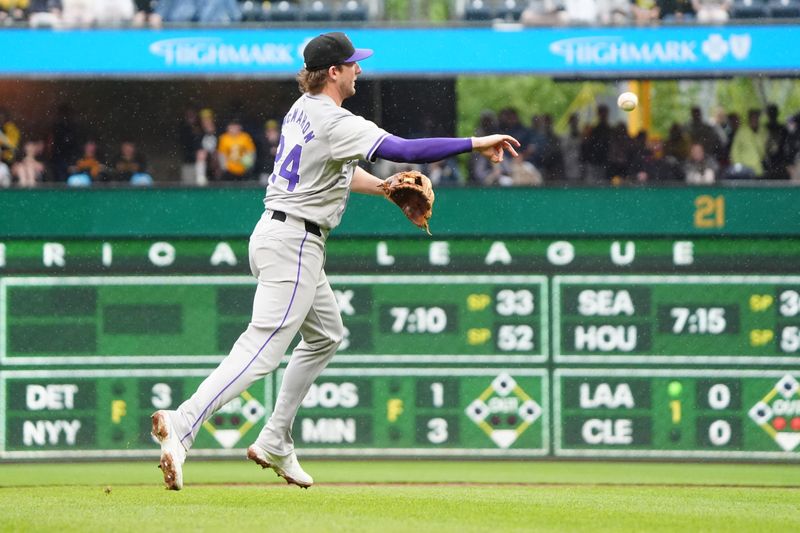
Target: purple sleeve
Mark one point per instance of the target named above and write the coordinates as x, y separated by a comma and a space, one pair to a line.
427, 150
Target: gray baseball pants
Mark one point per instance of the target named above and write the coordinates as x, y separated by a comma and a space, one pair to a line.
293, 294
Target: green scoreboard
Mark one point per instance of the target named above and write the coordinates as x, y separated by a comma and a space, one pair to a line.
518, 347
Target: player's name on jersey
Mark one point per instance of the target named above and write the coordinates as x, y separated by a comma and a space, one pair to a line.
345, 255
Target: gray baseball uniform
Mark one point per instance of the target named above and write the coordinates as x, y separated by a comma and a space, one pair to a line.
319, 149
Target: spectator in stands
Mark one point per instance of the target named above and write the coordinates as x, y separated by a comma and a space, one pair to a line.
594, 149
597, 11
77, 13
509, 123
675, 10
9, 137
644, 11
730, 126
793, 146
616, 12
581, 12
12, 11
112, 13
89, 162
487, 123
550, 156
204, 12
543, 13
700, 168
219, 12
776, 159
30, 170
571, 150
655, 168
190, 137
5, 176
127, 163
236, 152
534, 141
511, 171
523, 173
749, 144
44, 13
639, 153
64, 142
677, 143
712, 11
267, 149
619, 153
144, 13
443, 172
703, 133
207, 161
720, 125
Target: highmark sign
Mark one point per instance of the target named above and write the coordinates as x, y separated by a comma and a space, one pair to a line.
213, 51
619, 50
592, 52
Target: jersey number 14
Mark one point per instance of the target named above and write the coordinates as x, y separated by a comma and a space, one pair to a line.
289, 166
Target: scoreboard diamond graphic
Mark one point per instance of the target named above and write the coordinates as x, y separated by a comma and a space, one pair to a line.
235, 419
504, 411
778, 413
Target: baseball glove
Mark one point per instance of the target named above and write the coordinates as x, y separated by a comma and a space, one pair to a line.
413, 193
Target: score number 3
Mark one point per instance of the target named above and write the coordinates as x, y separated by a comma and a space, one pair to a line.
709, 211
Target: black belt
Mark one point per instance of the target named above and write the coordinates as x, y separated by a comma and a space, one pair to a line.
280, 216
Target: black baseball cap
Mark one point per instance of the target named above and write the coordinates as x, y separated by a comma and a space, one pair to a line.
330, 49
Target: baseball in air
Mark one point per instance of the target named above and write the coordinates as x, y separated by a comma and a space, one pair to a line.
627, 101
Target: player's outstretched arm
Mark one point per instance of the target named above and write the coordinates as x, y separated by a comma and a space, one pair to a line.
366, 183
492, 146
428, 150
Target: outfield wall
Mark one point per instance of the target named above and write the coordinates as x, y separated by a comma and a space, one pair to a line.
584, 322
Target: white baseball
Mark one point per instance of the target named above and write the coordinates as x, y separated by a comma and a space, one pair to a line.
627, 101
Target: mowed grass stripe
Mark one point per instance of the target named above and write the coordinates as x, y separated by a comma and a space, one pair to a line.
401, 509
201, 472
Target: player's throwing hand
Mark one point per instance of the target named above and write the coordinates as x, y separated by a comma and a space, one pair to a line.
492, 146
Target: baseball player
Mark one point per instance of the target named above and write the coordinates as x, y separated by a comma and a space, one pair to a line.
316, 168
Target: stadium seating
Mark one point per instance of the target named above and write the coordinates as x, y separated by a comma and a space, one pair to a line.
251, 11
317, 11
748, 9
478, 10
509, 10
282, 11
352, 11
784, 9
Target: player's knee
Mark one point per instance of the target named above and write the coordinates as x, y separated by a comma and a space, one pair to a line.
337, 336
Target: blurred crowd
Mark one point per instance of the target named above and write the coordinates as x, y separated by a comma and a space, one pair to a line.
115, 13
154, 13
572, 12
70, 154
759, 146
65, 156
701, 151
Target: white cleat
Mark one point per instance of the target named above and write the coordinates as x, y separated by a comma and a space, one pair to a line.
173, 454
286, 466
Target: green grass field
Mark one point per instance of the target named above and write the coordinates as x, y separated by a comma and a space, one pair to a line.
416, 496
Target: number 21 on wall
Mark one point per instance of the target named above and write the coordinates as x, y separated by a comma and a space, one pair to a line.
709, 211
